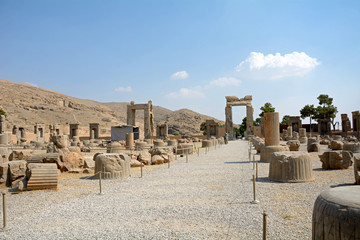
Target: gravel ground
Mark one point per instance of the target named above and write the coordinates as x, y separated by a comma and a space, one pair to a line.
207, 198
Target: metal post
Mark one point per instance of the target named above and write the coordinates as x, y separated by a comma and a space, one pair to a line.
198, 151
100, 183
187, 157
141, 169
264, 225
257, 171
254, 190
168, 161
253, 162
4, 210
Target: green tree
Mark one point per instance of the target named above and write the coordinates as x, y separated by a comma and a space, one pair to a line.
2, 112
203, 128
266, 108
308, 111
176, 133
285, 120
242, 127
326, 110
257, 122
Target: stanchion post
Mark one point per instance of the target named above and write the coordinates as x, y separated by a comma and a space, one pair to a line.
4, 210
264, 225
254, 190
100, 183
141, 170
168, 161
257, 168
187, 155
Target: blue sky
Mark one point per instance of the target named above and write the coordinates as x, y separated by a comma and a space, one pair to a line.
187, 54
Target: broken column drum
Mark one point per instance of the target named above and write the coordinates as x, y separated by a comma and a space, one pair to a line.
74, 130
336, 214
129, 140
272, 136
290, 167
112, 165
2, 124
302, 133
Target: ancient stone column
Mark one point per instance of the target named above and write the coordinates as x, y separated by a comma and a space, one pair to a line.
271, 129
249, 120
228, 121
130, 141
303, 138
289, 132
272, 136
3, 139
147, 124
2, 124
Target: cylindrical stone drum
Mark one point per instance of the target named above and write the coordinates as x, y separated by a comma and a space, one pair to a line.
302, 132
352, 147
290, 167
141, 145
172, 142
130, 141
271, 129
148, 141
207, 143
159, 143
336, 214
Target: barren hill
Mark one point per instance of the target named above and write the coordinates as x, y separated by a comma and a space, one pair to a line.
27, 105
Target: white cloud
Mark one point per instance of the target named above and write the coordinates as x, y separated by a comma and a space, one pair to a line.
123, 89
225, 81
179, 75
186, 93
270, 66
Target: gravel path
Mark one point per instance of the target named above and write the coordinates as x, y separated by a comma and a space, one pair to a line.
207, 198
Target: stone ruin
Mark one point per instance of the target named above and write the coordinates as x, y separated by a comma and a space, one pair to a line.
295, 123
235, 101
94, 130
272, 137
74, 132
162, 130
112, 166
345, 124
39, 130
212, 129
356, 123
148, 117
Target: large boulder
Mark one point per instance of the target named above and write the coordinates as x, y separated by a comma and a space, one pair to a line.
73, 160
294, 145
313, 145
144, 157
336, 145
112, 165
334, 160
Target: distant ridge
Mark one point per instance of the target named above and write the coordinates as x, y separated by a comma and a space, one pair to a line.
27, 105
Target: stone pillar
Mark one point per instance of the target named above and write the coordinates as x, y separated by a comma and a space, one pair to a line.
289, 132
131, 114
356, 123
228, 121
39, 130
303, 138
249, 120
147, 122
130, 141
272, 137
271, 129
2, 124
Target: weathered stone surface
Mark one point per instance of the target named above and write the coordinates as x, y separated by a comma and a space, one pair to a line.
135, 163
75, 149
184, 148
88, 170
313, 145
3, 172
294, 145
41, 176
73, 160
144, 157
334, 160
157, 159
352, 147
141, 145
112, 165
303, 140
159, 143
336, 214
16, 169
324, 142
336, 145
4, 154
89, 163
290, 167
266, 151
172, 142
61, 141
207, 143
356, 159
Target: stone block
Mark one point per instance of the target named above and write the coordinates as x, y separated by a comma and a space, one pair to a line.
334, 160
336, 145
303, 140
266, 151
294, 145
112, 165
290, 167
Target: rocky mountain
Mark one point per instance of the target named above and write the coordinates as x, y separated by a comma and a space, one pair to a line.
27, 105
